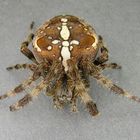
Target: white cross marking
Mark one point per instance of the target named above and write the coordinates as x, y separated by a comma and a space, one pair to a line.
65, 53
75, 42
55, 41
65, 33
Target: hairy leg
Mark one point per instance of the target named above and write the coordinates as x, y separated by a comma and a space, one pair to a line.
21, 87
74, 95
86, 82
53, 75
107, 83
24, 46
32, 67
74, 101
28, 97
110, 66
54, 93
85, 77
81, 91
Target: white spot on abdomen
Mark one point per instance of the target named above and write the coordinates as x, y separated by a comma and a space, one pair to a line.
49, 37
49, 47
55, 41
71, 47
64, 20
75, 42
59, 28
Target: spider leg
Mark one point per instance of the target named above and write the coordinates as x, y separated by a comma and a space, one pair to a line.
73, 95
86, 82
105, 82
81, 91
28, 97
85, 78
95, 71
57, 103
24, 46
32, 67
21, 87
54, 74
110, 66
74, 101
54, 93
104, 52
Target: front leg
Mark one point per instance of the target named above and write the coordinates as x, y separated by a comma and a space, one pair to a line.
24, 46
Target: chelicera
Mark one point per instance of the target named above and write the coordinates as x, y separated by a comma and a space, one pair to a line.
66, 51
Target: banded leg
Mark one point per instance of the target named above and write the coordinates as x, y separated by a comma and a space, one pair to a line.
54, 93
91, 106
24, 46
81, 91
110, 66
74, 101
21, 87
86, 82
105, 82
57, 103
53, 75
73, 96
94, 71
104, 53
85, 78
32, 67
28, 97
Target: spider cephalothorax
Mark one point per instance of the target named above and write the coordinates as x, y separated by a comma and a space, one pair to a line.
65, 54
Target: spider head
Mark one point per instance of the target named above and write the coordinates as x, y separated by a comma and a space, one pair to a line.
65, 37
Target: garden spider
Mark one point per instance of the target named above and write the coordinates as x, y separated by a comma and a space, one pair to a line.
66, 51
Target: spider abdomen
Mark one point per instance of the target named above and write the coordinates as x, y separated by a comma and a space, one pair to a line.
65, 37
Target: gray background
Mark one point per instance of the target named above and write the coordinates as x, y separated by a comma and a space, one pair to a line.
118, 21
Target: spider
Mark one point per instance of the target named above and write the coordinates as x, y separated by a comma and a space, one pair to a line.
66, 52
